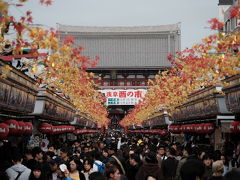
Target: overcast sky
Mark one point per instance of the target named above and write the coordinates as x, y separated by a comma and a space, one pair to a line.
193, 14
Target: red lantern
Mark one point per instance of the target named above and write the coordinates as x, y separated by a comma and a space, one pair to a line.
184, 128
45, 128
13, 126
188, 128
235, 126
63, 129
199, 128
171, 128
4, 130
208, 128
163, 132
21, 125
78, 131
28, 128
191, 128
55, 130
177, 129
71, 128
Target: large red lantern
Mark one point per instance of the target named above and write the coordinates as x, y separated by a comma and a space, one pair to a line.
199, 128
45, 128
170, 128
78, 131
13, 126
163, 132
188, 128
4, 130
28, 128
58, 129
175, 129
63, 129
208, 128
235, 126
184, 128
21, 125
70, 128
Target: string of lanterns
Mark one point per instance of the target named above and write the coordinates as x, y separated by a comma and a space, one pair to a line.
13, 127
47, 128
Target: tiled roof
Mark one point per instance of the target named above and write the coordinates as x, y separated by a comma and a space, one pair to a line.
225, 2
119, 29
127, 47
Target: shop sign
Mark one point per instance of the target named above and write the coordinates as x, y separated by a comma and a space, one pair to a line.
123, 97
16, 99
54, 111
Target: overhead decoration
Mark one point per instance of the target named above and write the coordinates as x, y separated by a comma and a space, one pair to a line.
162, 132
21, 125
204, 65
28, 128
85, 131
202, 128
235, 127
4, 130
45, 128
64, 67
13, 126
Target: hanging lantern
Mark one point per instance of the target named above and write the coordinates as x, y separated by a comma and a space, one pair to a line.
177, 129
171, 128
56, 130
28, 128
63, 129
78, 131
235, 126
70, 128
208, 128
174, 129
4, 130
21, 125
45, 128
194, 128
163, 132
184, 128
191, 128
199, 128
13, 126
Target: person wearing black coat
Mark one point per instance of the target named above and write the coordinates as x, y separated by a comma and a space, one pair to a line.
169, 166
134, 165
149, 167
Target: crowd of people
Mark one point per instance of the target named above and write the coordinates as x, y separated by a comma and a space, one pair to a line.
112, 157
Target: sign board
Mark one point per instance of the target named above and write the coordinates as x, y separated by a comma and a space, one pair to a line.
123, 97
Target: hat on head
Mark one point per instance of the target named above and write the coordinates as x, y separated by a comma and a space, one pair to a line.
55, 160
160, 146
151, 157
112, 147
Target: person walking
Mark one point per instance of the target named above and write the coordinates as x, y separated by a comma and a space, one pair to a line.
18, 171
149, 167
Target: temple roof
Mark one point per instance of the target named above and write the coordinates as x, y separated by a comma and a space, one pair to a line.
144, 47
119, 29
225, 2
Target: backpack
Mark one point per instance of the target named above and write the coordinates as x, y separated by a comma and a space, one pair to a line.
101, 167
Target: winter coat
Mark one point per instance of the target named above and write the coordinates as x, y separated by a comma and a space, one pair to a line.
132, 171
180, 164
169, 167
149, 169
14, 170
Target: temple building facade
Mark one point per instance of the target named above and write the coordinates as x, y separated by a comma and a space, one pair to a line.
129, 57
